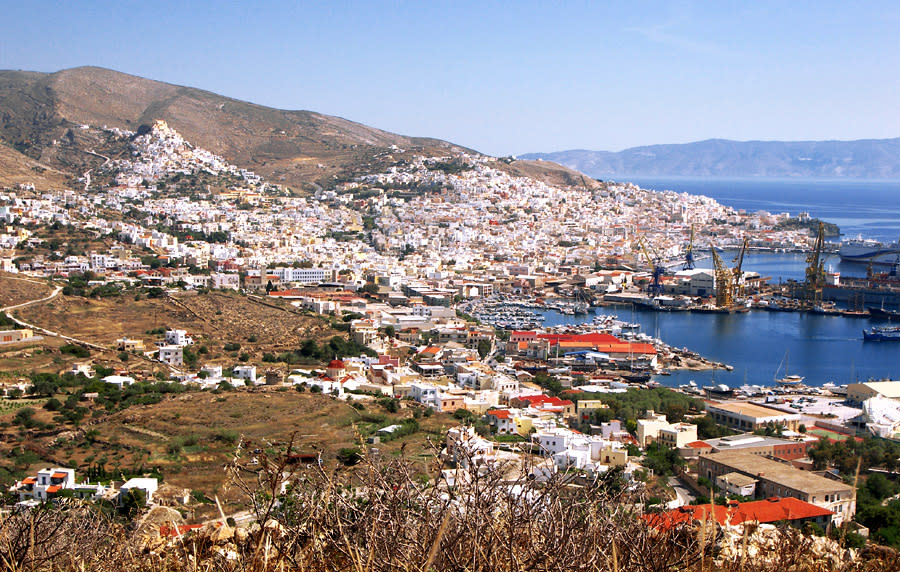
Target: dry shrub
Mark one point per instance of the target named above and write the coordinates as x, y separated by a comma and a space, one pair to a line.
381, 517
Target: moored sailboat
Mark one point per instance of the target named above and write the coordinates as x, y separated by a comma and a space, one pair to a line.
787, 380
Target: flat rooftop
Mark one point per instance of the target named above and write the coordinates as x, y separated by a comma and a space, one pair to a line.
774, 471
750, 410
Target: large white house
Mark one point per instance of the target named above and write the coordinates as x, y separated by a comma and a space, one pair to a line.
46, 484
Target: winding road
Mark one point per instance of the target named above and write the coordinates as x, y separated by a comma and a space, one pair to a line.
57, 289
36, 328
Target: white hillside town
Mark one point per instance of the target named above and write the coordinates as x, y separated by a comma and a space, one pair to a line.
436, 269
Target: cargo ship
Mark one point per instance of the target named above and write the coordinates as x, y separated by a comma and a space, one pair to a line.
866, 250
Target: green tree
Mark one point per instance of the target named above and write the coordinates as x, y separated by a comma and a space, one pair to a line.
44, 384
880, 487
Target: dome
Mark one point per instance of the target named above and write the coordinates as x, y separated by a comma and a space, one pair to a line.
336, 364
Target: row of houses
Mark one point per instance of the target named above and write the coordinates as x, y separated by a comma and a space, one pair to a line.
59, 482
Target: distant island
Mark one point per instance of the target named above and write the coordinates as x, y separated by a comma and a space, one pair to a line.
862, 159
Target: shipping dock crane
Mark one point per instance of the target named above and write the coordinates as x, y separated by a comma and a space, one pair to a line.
737, 279
656, 268
815, 270
689, 253
724, 278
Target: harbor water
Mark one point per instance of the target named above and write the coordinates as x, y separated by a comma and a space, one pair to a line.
761, 345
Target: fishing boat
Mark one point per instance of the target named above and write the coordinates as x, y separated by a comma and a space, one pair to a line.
826, 309
882, 334
880, 313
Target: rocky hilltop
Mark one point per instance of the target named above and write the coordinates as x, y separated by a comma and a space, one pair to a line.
42, 115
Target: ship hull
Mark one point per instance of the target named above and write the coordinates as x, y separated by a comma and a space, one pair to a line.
882, 335
866, 252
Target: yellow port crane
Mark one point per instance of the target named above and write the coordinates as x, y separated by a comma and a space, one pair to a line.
815, 269
724, 278
737, 279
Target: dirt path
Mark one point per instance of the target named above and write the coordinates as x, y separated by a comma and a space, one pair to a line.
36, 328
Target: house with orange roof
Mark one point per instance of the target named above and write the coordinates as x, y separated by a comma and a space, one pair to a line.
45, 485
545, 403
767, 511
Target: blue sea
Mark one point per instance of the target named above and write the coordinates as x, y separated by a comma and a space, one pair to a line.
870, 208
761, 344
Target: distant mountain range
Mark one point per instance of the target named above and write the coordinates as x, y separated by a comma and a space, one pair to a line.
42, 142
866, 158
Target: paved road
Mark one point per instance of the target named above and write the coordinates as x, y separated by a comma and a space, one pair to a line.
683, 494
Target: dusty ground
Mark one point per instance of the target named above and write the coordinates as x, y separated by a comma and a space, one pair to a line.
230, 317
15, 290
103, 321
213, 319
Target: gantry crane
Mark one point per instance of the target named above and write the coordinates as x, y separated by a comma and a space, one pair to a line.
724, 278
815, 270
737, 278
689, 253
656, 267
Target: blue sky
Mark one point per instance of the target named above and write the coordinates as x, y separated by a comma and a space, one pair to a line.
510, 77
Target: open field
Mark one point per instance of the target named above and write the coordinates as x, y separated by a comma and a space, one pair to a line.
18, 360
231, 317
213, 318
102, 321
17, 290
189, 437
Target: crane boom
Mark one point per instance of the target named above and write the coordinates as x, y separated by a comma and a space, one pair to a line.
737, 280
815, 269
655, 288
724, 278
689, 253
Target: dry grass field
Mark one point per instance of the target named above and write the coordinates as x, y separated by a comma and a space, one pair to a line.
189, 437
17, 290
213, 319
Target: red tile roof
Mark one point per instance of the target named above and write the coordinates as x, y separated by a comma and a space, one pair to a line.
763, 511
166, 530
59, 475
499, 413
53, 489
545, 400
29, 481
699, 445
522, 333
